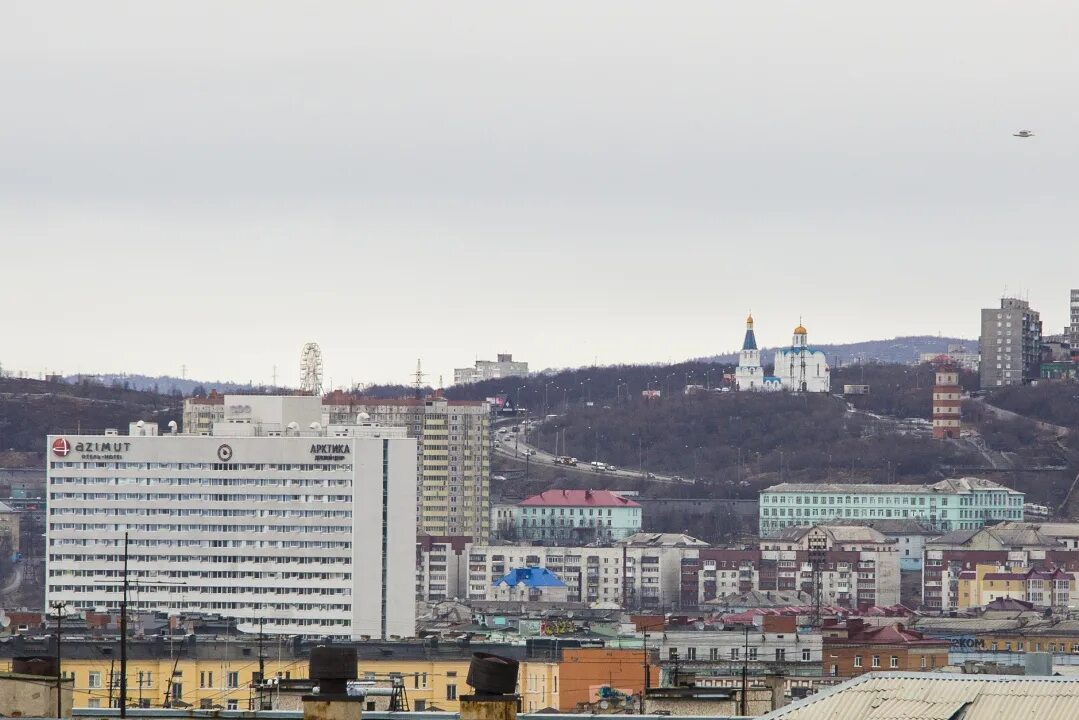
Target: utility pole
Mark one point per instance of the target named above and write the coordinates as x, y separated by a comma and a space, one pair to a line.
58, 607
647, 674
745, 675
123, 639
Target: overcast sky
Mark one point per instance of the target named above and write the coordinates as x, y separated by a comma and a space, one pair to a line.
215, 184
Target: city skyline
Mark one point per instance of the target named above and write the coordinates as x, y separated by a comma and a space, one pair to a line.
458, 183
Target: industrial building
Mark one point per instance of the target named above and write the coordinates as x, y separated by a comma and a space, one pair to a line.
273, 519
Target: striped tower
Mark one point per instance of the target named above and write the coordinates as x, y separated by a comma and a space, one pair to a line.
947, 403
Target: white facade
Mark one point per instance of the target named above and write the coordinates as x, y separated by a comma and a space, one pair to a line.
630, 576
311, 529
749, 375
505, 366
800, 368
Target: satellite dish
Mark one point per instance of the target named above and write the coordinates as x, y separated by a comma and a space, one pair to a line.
315, 425
4, 621
363, 417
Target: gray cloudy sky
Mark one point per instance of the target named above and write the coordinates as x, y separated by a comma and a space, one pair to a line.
214, 184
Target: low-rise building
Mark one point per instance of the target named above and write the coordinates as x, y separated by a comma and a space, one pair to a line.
954, 504
852, 648
530, 584
774, 646
576, 517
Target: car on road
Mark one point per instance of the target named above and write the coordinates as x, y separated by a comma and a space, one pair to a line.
529, 451
612, 468
500, 478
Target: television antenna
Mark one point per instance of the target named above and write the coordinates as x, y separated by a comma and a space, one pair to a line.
311, 369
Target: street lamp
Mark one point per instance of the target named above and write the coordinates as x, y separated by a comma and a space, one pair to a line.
518, 408
545, 386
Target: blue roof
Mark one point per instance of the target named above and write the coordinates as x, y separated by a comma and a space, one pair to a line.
750, 342
531, 577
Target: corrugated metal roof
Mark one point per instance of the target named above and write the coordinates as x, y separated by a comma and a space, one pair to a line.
932, 696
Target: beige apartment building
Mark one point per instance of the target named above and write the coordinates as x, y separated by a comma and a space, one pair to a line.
453, 455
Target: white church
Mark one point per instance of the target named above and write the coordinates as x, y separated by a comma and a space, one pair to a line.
798, 368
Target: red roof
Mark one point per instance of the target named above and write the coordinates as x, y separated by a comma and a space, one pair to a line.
577, 498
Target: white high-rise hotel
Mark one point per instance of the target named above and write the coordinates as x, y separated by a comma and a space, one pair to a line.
310, 528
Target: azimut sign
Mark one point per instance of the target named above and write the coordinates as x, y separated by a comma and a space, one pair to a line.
330, 451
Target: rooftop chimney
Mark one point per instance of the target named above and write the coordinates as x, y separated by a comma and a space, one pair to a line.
332, 668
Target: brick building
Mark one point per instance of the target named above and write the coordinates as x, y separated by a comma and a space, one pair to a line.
852, 648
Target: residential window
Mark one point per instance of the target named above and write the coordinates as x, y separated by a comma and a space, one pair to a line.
876, 661
451, 692
232, 704
752, 653
924, 663
95, 679
734, 653
805, 654
206, 679
691, 653
713, 653
232, 679
781, 654
672, 654
857, 661
893, 662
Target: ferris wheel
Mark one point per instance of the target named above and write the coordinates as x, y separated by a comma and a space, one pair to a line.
311, 369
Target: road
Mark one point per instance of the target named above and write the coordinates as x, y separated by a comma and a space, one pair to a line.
513, 446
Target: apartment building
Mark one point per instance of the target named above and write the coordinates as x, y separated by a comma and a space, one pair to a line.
1073, 314
947, 403
201, 412
505, 366
956, 564
858, 566
954, 504
1011, 344
272, 519
635, 573
452, 452
442, 567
